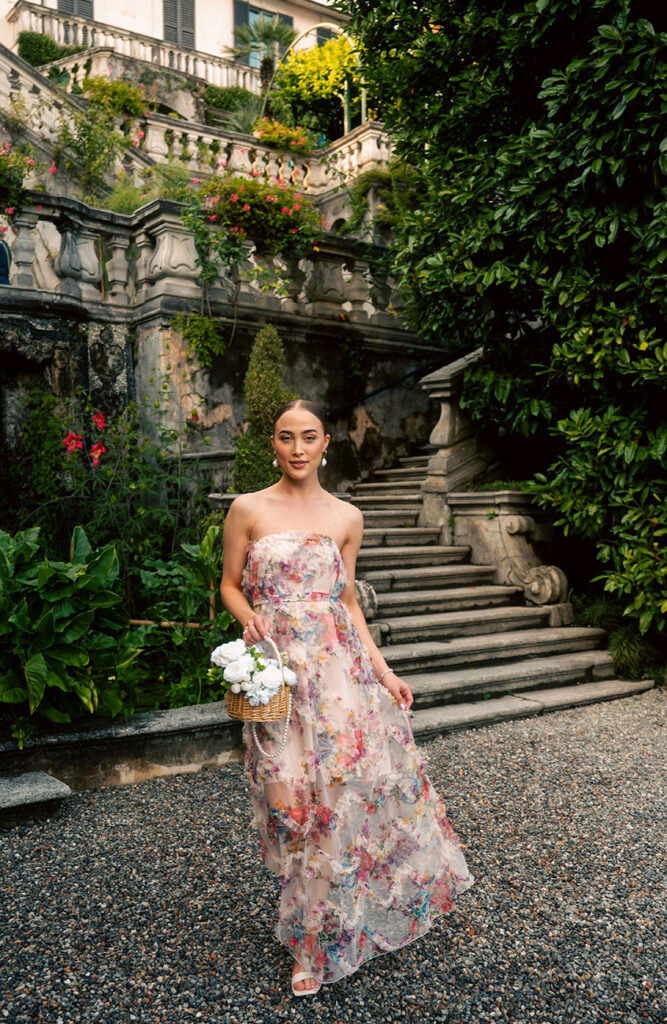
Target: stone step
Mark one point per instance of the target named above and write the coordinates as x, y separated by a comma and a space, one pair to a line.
376, 489
30, 793
434, 688
491, 648
407, 516
398, 474
411, 602
428, 576
387, 501
427, 554
430, 722
473, 622
400, 536
417, 460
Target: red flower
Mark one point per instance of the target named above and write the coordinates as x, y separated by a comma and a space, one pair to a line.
73, 441
195, 415
245, 206
96, 452
234, 197
99, 421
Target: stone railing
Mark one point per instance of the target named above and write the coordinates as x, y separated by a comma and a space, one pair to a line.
68, 29
501, 528
103, 260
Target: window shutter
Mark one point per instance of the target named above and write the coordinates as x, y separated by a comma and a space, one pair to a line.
170, 14
66, 6
84, 8
241, 17
188, 23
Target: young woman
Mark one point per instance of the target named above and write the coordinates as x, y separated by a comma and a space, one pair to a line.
346, 815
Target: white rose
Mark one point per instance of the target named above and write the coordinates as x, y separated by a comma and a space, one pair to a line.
226, 653
235, 672
290, 676
270, 678
235, 688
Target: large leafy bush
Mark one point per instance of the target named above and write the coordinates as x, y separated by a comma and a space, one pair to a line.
538, 232
61, 632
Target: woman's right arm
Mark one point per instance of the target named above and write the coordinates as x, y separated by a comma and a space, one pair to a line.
236, 537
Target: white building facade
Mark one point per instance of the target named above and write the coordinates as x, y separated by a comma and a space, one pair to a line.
200, 26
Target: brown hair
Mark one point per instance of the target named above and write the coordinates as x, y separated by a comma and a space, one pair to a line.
301, 403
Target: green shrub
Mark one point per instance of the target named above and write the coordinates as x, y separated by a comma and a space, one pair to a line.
635, 656
62, 632
264, 394
115, 96
164, 181
229, 98
37, 48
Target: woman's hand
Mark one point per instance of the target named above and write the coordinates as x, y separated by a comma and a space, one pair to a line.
255, 629
399, 690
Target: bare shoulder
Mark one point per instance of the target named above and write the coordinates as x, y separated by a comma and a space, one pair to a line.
351, 517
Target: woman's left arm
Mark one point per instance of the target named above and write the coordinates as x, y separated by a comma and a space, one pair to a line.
396, 686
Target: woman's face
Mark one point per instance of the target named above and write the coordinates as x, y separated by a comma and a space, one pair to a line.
298, 441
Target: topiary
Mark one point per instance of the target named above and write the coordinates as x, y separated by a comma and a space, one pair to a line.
264, 394
37, 48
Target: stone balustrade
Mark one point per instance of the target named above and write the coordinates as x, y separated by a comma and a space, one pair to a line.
103, 260
68, 29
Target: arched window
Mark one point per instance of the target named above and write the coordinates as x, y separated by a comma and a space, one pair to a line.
179, 22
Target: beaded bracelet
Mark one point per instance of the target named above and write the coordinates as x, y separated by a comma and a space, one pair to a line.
380, 678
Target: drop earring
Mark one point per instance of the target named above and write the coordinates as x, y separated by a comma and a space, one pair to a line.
275, 463
324, 459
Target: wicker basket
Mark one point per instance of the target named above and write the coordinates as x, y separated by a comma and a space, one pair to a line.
239, 707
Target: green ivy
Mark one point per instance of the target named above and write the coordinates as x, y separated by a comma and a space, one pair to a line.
203, 334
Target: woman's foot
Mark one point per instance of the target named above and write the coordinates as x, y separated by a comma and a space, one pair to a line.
303, 983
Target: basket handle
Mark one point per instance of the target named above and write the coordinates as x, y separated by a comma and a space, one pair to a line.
268, 639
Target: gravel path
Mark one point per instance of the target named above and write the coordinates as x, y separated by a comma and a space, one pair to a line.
149, 903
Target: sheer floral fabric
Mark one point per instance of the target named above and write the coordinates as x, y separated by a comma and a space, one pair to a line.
347, 817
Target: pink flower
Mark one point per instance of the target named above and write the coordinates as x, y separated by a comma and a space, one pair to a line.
39, 207
140, 134
213, 216
9, 210
195, 181
297, 206
285, 209
243, 150
3, 228
99, 421
246, 207
234, 229
222, 163
234, 197
31, 162
53, 169
294, 230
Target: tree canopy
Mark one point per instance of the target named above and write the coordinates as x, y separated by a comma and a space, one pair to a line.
537, 128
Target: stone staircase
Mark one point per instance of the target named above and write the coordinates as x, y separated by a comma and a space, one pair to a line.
473, 651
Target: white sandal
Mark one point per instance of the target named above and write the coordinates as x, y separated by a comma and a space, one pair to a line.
304, 976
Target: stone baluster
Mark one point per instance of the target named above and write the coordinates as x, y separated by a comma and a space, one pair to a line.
358, 292
325, 285
239, 161
145, 244
78, 263
172, 269
117, 270
23, 249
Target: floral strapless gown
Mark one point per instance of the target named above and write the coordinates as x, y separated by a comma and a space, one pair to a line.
346, 815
